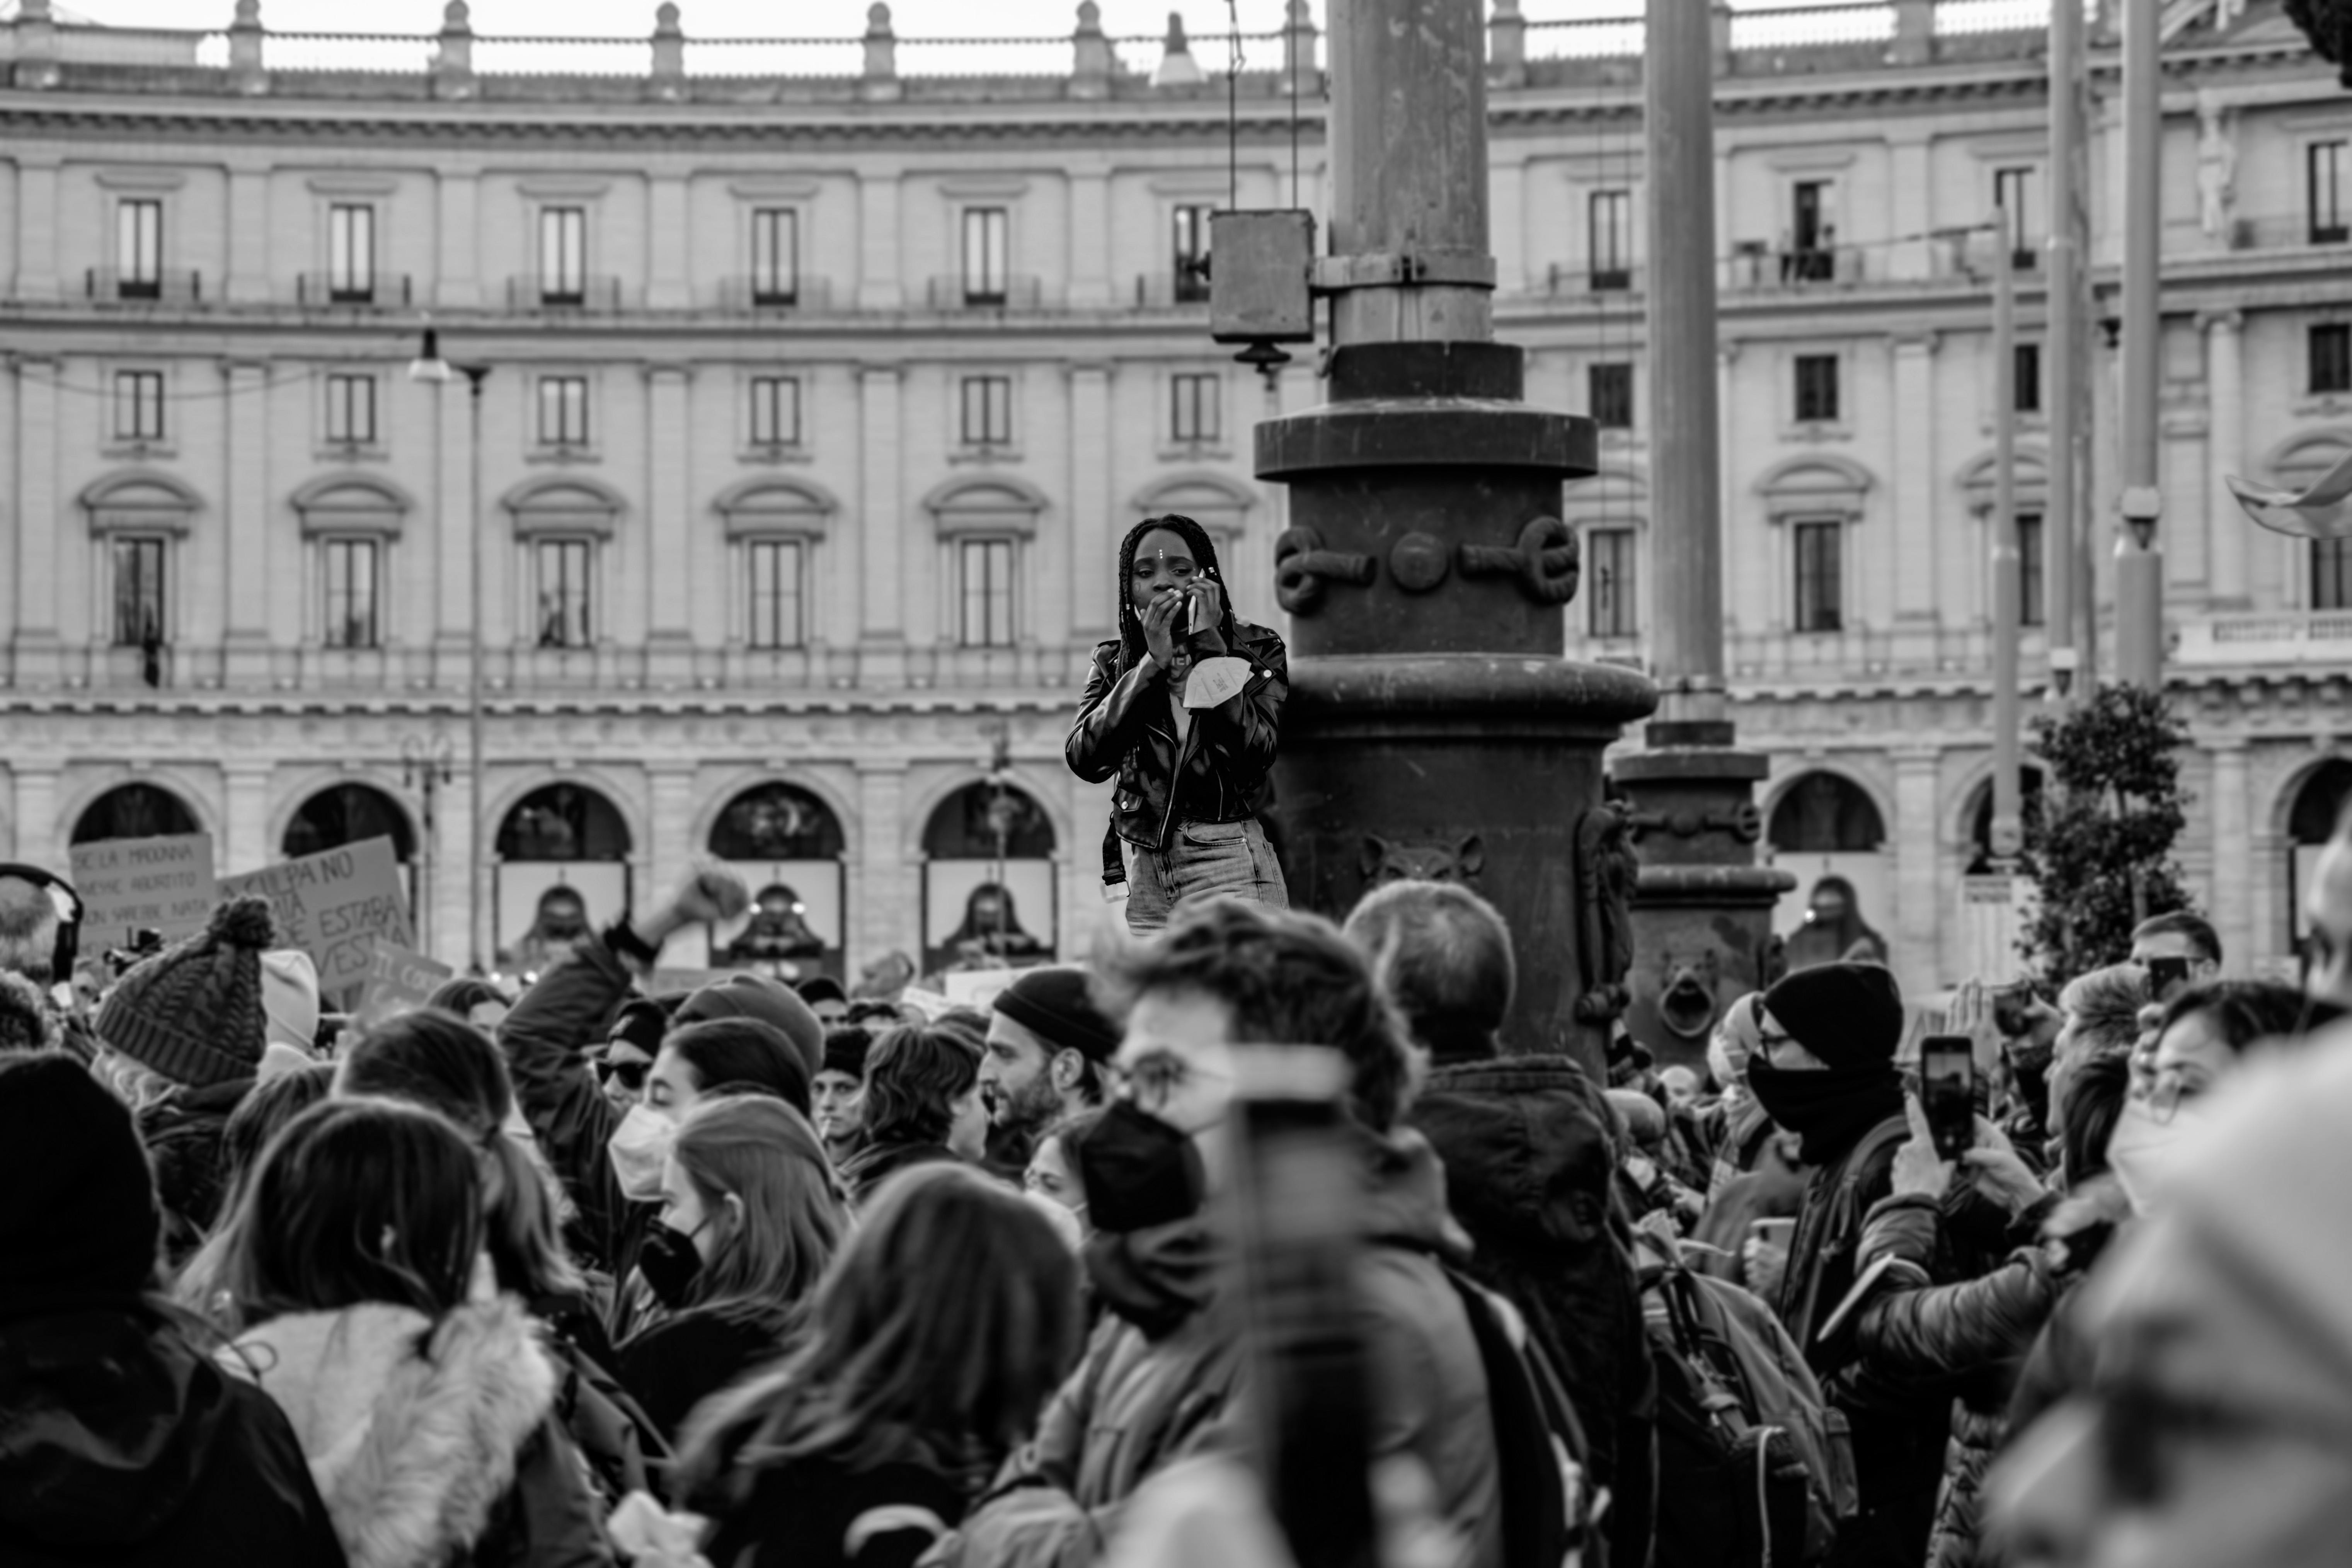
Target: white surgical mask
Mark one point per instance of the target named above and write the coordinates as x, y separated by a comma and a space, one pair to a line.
638, 1148
2142, 1146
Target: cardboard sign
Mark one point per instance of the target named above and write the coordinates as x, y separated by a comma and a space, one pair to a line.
669, 982
398, 981
1214, 680
335, 906
977, 987
159, 884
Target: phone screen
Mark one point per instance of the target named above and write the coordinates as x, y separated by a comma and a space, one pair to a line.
2165, 974
1948, 1080
2010, 1010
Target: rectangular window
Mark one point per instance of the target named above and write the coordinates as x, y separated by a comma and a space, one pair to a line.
2329, 170
1189, 260
1192, 407
351, 409
1613, 611
775, 257
1609, 394
2029, 568
775, 593
563, 597
564, 255
2331, 574
352, 610
1610, 256
987, 582
775, 411
350, 254
2027, 360
137, 405
985, 235
137, 591
1811, 257
2012, 193
563, 410
987, 411
139, 249
2331, 357
1817, 388
1821, 575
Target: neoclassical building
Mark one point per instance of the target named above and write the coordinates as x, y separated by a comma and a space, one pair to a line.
818, 383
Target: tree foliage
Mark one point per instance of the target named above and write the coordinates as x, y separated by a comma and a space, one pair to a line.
2100, 851
2329, 24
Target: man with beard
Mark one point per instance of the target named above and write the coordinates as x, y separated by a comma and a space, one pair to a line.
1047, 1044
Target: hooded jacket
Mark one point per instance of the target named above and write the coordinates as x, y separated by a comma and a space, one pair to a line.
121, 1445
1216, 772
1527, 1174
431, 1444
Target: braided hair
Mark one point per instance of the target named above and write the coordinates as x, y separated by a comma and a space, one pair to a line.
1204, 556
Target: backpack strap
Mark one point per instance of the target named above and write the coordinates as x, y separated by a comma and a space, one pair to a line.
1540, 1502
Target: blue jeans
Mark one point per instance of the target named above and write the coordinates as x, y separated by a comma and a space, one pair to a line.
1205, 859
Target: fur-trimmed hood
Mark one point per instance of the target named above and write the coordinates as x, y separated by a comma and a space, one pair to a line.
411, 1429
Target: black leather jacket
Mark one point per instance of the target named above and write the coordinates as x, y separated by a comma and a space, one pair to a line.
1216, 774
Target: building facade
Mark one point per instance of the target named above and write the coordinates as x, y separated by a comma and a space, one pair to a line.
817, 391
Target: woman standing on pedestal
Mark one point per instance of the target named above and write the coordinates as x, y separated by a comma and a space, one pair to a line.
1185, 708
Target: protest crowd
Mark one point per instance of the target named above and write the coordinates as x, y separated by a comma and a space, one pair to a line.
758, 1275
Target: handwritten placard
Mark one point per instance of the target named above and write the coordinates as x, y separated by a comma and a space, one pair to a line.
154, 884
398, 981
336, 906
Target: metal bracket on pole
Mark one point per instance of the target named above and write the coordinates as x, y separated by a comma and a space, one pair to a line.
1395, 268
2141, 506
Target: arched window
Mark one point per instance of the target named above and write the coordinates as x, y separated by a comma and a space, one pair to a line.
790, 847
1822, 813
1827, 832
1980, 817
990, 897
134, 811
563, 869
348, 814
2310, 822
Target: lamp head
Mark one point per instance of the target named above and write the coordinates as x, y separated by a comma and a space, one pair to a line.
428, 366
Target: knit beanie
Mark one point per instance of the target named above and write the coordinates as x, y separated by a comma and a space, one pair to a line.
1848, 1015
765, 1001
289, 997
641, 1023
1056, 1005
846, 1047
192, 1013
78, 1219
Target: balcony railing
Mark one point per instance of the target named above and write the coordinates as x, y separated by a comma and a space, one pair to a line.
600, 296
2289, 636
801, 293
169, 285
1167, 291
1754, 265
1563, 280
322, 290
1011, 292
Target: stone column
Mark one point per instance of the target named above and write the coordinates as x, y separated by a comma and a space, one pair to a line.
1090, 279
1912, 514
2228, 540
245, 818
249, 235
668, 235
452, 535
2233, 860
1919, 847
40, 517
1508, 218
40, 837
882, 529
671, 814
1910, 183
245, 508
36, 226
459, 285
885, 903
669, 526
878, 261
1095, 531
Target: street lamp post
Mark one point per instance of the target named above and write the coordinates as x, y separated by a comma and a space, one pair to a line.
431, 368
424, 764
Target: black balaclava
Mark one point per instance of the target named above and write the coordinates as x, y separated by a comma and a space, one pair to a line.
1204, 556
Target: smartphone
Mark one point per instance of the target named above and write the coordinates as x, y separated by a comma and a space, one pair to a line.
2012, 1007
2166, 976
1947, 1092
1296, 1213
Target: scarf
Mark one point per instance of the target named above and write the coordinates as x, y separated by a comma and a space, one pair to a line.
1830, 1107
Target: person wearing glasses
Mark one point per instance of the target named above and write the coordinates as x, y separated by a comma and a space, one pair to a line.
629, 1051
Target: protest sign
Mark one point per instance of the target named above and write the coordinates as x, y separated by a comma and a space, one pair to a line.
669, 982
336, 906
154, 884
977, 987
398, 981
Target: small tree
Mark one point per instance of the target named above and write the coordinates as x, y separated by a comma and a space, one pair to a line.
2100, 851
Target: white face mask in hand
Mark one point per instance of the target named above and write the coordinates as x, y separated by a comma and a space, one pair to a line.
638, 1148
2143, 1145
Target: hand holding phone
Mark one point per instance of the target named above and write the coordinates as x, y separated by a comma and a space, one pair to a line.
1948, 1084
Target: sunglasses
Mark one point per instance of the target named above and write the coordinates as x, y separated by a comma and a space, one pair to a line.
632, 1074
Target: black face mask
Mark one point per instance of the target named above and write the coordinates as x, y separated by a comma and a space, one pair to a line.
1139, 1171
669, 1263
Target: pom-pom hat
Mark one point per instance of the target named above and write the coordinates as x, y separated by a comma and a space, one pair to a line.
193, 1012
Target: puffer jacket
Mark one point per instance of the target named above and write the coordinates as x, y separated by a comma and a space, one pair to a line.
121, 1445
433, 1445
1217, 772
1975, 1334
1528, 1175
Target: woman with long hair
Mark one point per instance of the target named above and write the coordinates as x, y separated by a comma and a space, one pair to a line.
930, 1349
750, 1216
257, 1118
423, 1399
922, 1105
1192, 774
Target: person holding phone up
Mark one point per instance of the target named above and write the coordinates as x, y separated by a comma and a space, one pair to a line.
1184, 708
